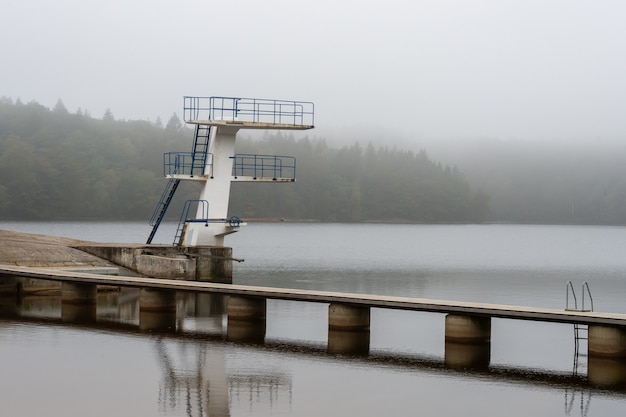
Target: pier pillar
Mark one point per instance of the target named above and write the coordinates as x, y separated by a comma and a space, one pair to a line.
348, 329
467, 341
346, 317
607, 341
157, 310
9, 285
246, 319
467, 355
78, 302
605, 372
468, 329
355, 342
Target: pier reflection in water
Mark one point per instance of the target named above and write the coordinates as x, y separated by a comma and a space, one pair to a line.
206, 369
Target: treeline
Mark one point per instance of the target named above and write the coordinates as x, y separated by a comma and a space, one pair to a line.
60, 165
356, 184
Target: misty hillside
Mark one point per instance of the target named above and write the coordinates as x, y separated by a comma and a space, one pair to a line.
554, 183
57, 165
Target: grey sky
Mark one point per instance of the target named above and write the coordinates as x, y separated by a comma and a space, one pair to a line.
527, 69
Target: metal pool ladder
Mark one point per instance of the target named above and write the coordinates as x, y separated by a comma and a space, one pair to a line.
581, 331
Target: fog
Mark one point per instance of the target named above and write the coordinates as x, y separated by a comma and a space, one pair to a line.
414, 70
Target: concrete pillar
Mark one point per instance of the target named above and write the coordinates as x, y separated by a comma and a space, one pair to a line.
348, 342
157, 310
78, 302
246, 319
78, 293
246, 308
346, 317
213, 263
468, 329
9, 285
606, 373
467, 356
607, 341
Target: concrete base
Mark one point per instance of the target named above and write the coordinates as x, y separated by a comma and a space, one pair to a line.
467, 356
346, 317
348, 342
468, 329
166, 267
202, 263
213, 264
607, 341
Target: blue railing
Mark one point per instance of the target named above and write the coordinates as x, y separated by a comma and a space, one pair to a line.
183, 163
264, 166
292, 113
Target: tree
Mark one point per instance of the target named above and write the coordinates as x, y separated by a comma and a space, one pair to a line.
173, 124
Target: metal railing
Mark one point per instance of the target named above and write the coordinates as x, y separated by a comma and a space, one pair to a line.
183, 163
264, 166
283, 112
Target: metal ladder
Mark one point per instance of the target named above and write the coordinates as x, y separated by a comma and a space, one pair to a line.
161, 207
202, 137
179, 237
581, 331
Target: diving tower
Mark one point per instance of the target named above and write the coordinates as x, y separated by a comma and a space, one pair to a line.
213, 163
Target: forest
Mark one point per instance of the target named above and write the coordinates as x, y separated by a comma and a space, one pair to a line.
57, 165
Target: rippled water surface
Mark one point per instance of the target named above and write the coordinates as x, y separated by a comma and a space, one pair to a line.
54, 367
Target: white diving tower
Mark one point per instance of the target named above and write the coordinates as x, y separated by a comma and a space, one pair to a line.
213, 163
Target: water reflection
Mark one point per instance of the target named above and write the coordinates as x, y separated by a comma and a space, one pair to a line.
192, 345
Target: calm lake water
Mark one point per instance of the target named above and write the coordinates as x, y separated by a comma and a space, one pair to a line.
51, 367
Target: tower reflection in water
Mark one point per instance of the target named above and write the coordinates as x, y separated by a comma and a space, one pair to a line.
196, 377
191, 348
206, 372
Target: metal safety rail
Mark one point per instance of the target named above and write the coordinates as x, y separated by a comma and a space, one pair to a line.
272, 167
185, 163
254, 110
203, 205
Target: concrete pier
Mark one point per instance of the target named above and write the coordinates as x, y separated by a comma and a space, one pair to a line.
467, 356
606, 373
607, 341
346, 317
78, 302
246, 319
468, 329
78, 293
348, 342
157, 310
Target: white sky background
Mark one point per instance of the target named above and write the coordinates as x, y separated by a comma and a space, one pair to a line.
439, 69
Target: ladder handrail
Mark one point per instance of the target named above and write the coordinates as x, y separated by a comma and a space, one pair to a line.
570, 287
588, 291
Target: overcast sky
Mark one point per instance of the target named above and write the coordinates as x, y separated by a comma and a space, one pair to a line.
524, 69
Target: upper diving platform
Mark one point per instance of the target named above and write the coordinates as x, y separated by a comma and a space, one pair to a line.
249, 113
